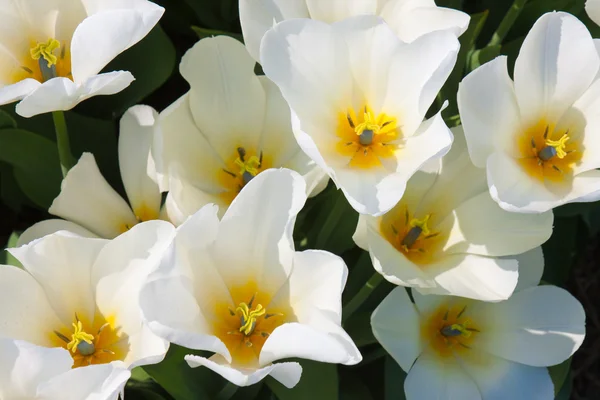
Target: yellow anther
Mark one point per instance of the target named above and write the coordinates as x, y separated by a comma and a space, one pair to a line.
559, 145
249, 317
251, 166
46, 51
369, 124
79, 336
421, 223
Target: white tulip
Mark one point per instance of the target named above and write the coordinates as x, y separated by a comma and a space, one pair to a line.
90, 206
52, 51
539, 136
82, 294
29, 372
455, 348
228, 128
447, 235
358, 97
409, 19
236, 287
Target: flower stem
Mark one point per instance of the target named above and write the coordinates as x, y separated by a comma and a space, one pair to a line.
331, 222
62, 142
361, 296
507, 23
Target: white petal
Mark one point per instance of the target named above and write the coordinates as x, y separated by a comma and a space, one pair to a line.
314, 292
104, 84
227, 100
329, 344
481, 227
592, 8
309, 62
499, 379
360, 236
108, 32
514, 190
531, 268
260, 222
585, 115
62, 264
53, 95
94, 382
413, 19
395, 323
557, 63
474, 277
488, 108
49, 226
24, 366
25, 313
417, 73
88, 200
375, 192
432, 378
118, 274
257, 17
170, 300
337, 10
185, 199
539, 326
287, 373
136, 137
17, 91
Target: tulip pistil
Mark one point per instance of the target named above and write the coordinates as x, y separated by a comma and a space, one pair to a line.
418, 227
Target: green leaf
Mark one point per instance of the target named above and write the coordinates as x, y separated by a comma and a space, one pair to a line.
480, 57
339, 222
358, 327
319, 381
559, 374
35, 163
394, 380
566, 389
151, 62
6, 121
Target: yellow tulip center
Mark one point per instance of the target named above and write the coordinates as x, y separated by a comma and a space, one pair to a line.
245, 326
366, 137
449, 331
98, 342
239, 170
43, 61
410, 235
548, 154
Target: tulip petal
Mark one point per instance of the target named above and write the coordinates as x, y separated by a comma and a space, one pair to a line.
226, 99
111, 28
138, 171
94, 382
499, 379
432, 378
395, 324
88, 200
539, 326
259, 224
531, 268
62, 264
287, 373
50, 226
557, 63
24, 366
489, 110
25, 313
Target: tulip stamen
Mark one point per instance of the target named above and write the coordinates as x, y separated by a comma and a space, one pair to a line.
44, 54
